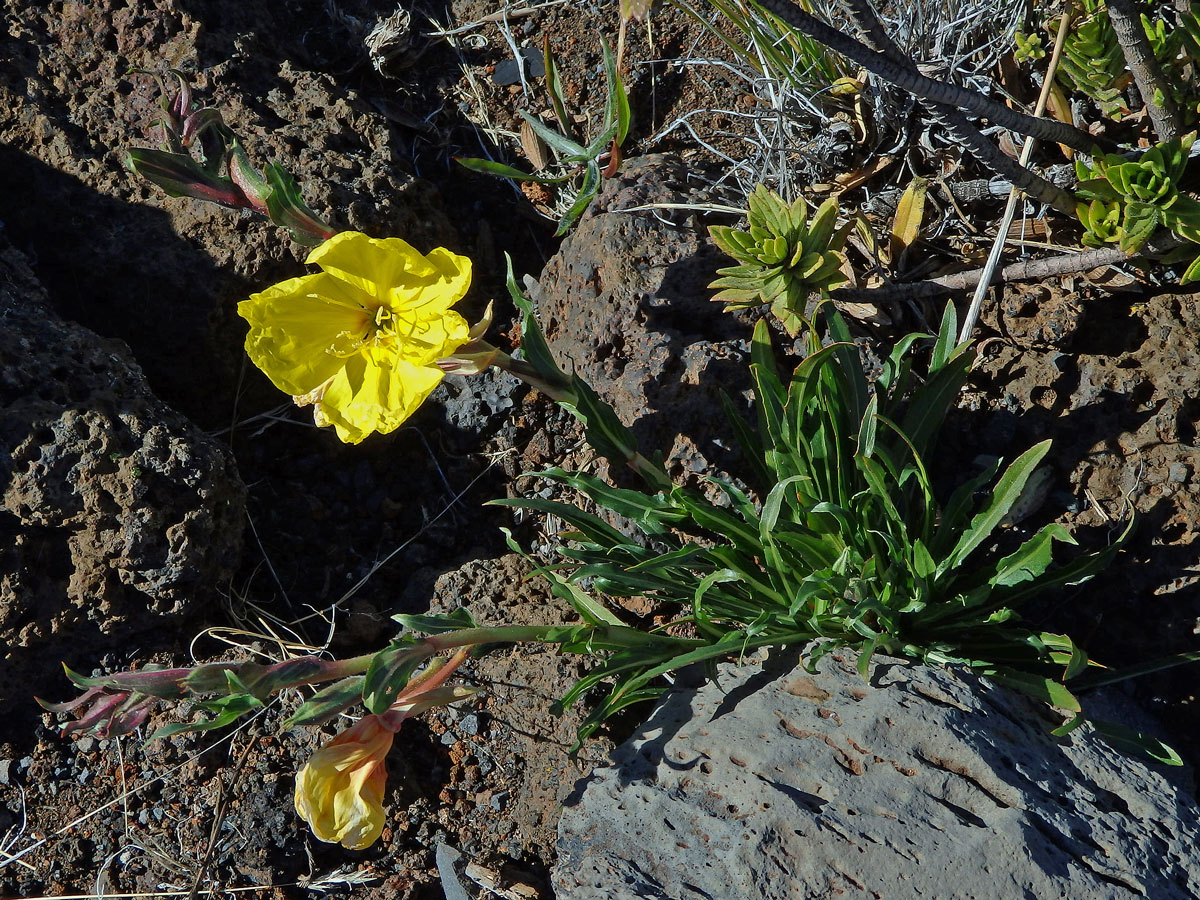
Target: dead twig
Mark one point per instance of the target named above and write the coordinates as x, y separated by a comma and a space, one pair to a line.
1018, 173
1026, 270
1127, 24
919, 85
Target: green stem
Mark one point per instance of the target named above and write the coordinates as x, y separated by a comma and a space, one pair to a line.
600, 637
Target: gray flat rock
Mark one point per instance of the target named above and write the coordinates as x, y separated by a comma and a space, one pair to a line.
922, 783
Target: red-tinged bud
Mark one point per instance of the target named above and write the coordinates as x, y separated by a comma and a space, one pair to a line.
165, 683
200, 121
252, 185
180, 105
110, 715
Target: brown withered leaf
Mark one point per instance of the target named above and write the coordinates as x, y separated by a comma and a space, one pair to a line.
534, 147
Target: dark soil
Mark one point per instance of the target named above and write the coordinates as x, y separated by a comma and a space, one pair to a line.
338, 538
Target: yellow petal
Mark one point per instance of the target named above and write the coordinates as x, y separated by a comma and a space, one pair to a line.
296, 324
375, 391
373, 265
339, 791
454, 278
424, 340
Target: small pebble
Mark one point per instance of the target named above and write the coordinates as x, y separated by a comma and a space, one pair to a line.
499, 800
5, 771
470, 724
448, 738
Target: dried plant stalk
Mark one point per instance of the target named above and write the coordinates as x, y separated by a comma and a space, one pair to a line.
909, 79
1127, 25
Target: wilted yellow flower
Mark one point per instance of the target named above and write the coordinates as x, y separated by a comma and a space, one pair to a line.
339, 791
360, 341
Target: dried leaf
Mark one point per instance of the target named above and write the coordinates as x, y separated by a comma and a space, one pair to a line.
534, 147
1059, 108
864, 312
906, 226
848, 181
635, 9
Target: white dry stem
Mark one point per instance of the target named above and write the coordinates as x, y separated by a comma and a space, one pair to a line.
993, 259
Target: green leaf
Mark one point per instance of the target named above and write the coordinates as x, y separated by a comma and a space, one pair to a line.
1008, 489
388, 675
718, 521
954, 514
228, 710
572, 152
489, 167
1037, 686
933, 400
440, 624
533, 342
587, 190
1138, 225
946, 347
328, 702
1136, 743
617, 103
286, 207
554, 86
592, 527
1031, 559
181, 176
1077, 571
649, 511
1192, 273
748, 442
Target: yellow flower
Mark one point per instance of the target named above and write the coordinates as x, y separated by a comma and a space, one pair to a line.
360, 341
339, 791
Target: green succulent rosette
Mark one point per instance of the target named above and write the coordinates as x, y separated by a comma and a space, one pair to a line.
783, 259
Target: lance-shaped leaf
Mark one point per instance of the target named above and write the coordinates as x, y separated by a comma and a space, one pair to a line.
286, 207
328, 702
181, 176
164, 683
389, 673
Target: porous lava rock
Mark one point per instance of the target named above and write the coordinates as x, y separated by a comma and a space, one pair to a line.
117, 515
625, 304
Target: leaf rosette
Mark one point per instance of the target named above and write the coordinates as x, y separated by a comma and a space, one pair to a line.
783, 259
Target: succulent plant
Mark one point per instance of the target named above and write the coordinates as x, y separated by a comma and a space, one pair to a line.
783, 259
1101, 221
1092, 61
1029, 46
1146, 190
